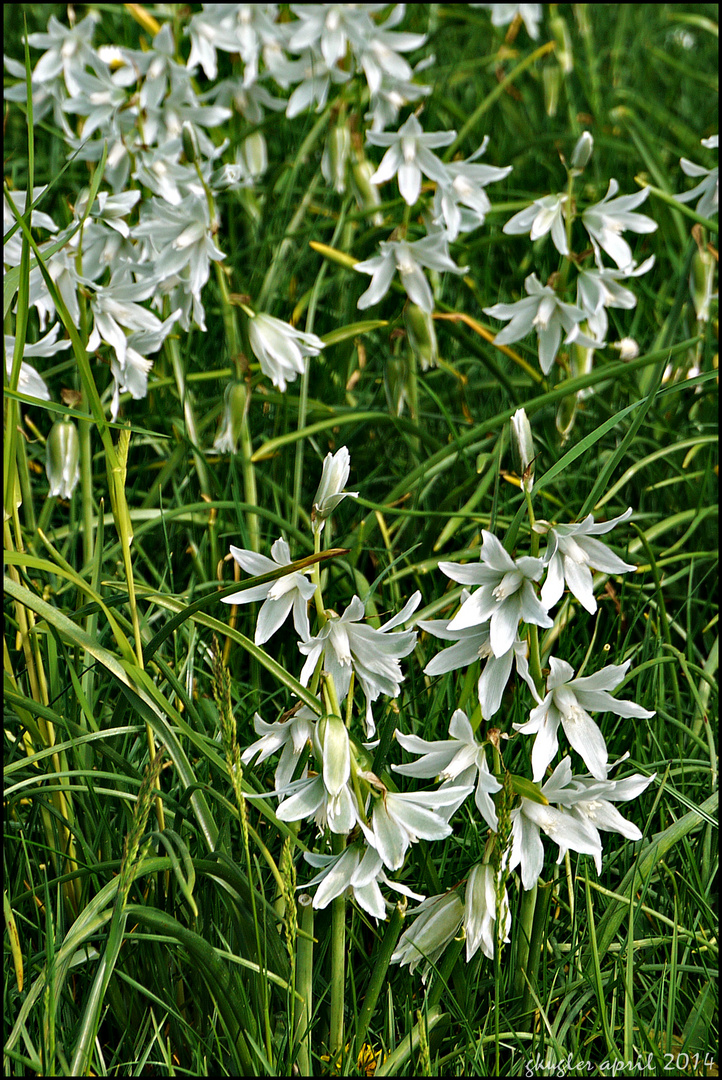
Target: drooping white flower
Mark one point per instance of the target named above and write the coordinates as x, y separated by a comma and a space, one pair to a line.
358, 869
707, 188
607, 220
460, 201
408, 258
568, 702
288, 593
62, 460
30, 382
543, 216
399, 819
409, 155
543, 311
330, 491
347, 644
290, 736
599, 289
472, 643
437, 924
531, 818
505, 596
572, 554
309, 797
591, 804
460, 760
480, 912
280, 348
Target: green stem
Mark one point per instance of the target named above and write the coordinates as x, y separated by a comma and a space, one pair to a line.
539, 926
523, 939
304, 984
338, 962
391, 936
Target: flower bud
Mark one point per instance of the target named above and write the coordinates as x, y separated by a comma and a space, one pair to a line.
627, 347
367, 194
235, 401
551, 81
582, 151
335, 752
253, 155
189, 140
62, 460
701, 282
563, 52
422, 335
434, 928
336, 156
525, 444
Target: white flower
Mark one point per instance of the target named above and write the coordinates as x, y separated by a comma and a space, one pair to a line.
280, 348
408, 258
461, 201
330, 488
572, 554
400, 819
568, 702
472, 643
599, 289
409, 156
30, 382
608, 219
358, 869
309, 797
480, 912
708, 188
347, 644
503, 14
627, 348
288, 593
377, 52
505, 596
563, 828
543, 311
62, 461
68, 50
438, 923
458, 759
290, 736
592, 805
543, 216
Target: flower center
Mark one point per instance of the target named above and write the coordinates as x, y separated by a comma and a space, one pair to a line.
509, 584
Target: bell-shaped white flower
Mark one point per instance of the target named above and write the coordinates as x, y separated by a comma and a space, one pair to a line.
708, 188
357, 870
437, 924
347, 644
480, 912
531, 818
400, 819
571, 555
280, 348
472, 643
505, 596
568, 702
607, 220
592, 804
330, 489
290, 736
288, 593
461, 760
543, 216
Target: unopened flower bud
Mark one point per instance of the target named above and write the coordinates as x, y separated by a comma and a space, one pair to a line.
335, 157
422, 335
234, 409
551, 81
253, 155
190, 142
701, 282
367, 194
62, 460
582, 151
525, 444
335, 752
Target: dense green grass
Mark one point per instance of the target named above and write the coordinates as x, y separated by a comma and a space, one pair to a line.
190, 974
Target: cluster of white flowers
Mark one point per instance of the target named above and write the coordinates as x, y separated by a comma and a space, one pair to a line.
342, 794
